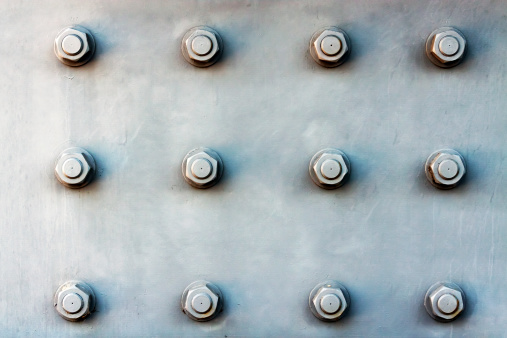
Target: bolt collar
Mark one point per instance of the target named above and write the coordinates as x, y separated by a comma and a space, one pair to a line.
202, 301
74, 300
202, 46
329, 301
446, 47
202, 168
444, 301
329, 168
74, 46
445, 168
330, 46
75, 167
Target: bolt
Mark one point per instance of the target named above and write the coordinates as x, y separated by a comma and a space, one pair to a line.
329, 301
202, 301
444, 301
330, 46
445, 168
329, 168
202, 46
74, 46
202, 168
74, 300
75, 168
446, 47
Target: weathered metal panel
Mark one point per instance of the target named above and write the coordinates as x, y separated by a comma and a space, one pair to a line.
265, 234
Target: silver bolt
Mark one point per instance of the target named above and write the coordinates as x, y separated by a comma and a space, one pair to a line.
329, 168
202, 301
202, 46
444, 301
445, 168
202, 168
74, 46
329, 301
74, 300
446, 47
330, 46
75, 168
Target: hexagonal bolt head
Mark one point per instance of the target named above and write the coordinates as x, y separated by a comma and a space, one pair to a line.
202, 46
329, 168
75, 168
74, 300
202, 301
445, 168
202, 168
329, 301
446, 47
444, 301
74, 46
330, 47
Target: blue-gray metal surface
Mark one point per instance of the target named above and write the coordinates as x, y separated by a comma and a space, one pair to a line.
265, 234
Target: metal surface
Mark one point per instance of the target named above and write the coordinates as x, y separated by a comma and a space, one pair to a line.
444, 301
265, 234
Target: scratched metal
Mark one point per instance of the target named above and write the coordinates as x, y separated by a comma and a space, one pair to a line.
265, 234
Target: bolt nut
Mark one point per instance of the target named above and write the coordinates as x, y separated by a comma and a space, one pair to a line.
330, 168
74, 300
202, 46
446, 47
445, 168
75, 168
202, 168
202, 301
329, 301
444, 301
74, 46
330, 46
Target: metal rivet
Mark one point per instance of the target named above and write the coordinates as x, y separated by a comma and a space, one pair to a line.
448, 169
72, 167
75, 167
74, 46
330, 46
445, 168
201, 168
202, 301
446, 47
329, 301
444, 301
202, 46
74, 300
330, 169
330, 304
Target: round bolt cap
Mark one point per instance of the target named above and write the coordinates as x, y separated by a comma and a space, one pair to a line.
72, 303
330, 46
445, 168
330, 304
444, 301
202, 301
72, 167
329, 301
74, 46
202, 46
75, 167
329, 168
447, 303
446, 47
74, 300
202, 168
448, 169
